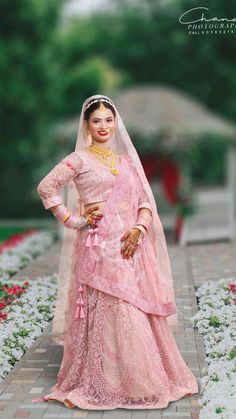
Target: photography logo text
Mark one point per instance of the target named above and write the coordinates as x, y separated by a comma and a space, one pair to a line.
199, 21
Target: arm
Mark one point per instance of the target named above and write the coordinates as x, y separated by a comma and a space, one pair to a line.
49, 187
144, 216
49, 190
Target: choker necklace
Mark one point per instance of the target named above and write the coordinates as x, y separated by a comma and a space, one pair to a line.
103, 154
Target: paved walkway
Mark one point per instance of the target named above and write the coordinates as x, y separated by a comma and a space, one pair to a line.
212, 261
36, 372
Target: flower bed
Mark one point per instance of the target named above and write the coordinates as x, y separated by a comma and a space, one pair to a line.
216, 322
8, 295
15, 258
27, 316
16, 238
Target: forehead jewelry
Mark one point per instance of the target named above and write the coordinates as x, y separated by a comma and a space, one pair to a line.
101, 107
97, 100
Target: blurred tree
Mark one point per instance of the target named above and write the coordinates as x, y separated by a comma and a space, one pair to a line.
90, 76
146, 41
48, 67
28, 95
85, 67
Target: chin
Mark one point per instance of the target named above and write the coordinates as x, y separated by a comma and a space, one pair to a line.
103, 140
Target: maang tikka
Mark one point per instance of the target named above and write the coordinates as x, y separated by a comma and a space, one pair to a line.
101, 107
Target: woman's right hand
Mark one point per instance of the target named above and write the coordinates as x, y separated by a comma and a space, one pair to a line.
92, 218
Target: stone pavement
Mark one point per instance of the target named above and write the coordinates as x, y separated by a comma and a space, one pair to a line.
212, 261
36, 372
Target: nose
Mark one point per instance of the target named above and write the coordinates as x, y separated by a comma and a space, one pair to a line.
103, 124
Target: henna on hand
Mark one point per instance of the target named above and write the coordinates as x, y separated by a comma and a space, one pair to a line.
91, 217
130, 245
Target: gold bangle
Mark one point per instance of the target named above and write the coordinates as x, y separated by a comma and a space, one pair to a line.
66, 216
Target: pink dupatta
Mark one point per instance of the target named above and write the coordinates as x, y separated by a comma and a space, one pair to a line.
159, 278
93, 269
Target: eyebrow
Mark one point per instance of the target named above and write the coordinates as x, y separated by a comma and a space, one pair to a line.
101, 118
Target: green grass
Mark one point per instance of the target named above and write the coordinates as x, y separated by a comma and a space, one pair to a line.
7, 232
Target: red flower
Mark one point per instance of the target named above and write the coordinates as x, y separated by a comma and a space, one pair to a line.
15, 239
232, 287
3, 315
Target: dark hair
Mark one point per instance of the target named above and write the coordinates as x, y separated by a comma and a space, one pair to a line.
95, 106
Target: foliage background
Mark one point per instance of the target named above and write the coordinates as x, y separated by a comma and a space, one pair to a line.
49, 65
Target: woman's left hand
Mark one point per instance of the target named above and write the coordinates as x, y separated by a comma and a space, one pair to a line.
130, 244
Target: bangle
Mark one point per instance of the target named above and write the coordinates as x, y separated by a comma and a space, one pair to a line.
75, 222
61, 213
144, 219
69, 220
66, 216
141, 228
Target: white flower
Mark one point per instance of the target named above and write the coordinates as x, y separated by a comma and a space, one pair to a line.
15, 258
216, 322
25, 323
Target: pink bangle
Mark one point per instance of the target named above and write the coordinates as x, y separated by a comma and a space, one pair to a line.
69, 220
61, 213
141, 228
144, 219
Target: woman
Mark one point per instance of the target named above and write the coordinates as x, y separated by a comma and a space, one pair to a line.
115, 300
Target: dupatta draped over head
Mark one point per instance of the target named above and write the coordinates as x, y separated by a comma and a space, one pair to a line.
120, 144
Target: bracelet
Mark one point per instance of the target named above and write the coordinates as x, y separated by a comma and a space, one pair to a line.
144, 219
75, 222
61, 213
141, 228
65, 218
71, 221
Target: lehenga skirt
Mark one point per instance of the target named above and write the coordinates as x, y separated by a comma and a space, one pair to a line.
121, 357
118, 355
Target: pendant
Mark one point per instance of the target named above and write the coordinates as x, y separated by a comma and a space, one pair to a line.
115, 171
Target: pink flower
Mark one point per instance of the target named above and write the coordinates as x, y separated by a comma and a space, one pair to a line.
232, 287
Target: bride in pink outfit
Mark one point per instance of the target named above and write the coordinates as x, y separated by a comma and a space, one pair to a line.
115, 301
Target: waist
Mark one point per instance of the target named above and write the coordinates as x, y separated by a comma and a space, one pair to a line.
99, 204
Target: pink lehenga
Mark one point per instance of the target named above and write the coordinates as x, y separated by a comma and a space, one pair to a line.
119, 350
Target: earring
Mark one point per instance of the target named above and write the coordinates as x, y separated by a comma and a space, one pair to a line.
87, 132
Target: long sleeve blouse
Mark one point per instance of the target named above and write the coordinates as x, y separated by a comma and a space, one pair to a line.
93, 180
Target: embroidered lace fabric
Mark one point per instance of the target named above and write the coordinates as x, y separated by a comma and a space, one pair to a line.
92, 179
122, 353
119, 356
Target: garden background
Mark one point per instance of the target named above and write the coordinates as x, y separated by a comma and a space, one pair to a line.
54, 54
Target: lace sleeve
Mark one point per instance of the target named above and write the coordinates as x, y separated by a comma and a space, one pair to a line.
144, 201
65, 171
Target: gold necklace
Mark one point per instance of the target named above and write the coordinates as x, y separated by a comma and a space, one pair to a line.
105, 154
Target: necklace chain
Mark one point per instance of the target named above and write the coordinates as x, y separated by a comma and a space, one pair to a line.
103, 155
98, 150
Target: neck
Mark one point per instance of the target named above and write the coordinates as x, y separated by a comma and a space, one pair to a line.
105, 146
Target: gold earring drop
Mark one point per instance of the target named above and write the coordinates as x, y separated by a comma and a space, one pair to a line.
87, 132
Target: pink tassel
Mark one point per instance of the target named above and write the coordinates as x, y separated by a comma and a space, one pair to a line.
92, 231
77, 313
80, 313
95, 241
88, 241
